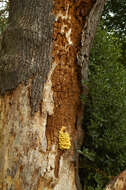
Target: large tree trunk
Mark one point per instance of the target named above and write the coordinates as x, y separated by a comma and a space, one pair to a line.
40, 87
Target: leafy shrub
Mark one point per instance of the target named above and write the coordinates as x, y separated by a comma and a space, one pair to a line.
104, 149
4, 8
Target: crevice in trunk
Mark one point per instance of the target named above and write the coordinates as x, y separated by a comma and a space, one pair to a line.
66, 80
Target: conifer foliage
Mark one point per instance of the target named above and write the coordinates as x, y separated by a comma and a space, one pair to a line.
105, 118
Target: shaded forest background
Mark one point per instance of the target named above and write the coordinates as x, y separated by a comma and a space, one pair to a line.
103, 154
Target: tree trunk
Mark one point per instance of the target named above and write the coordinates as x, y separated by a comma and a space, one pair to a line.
118, 183
44, 57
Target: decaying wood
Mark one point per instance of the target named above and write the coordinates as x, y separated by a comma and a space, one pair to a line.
118, 183
40, 74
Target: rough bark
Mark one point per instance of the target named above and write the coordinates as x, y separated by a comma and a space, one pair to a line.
118, 183
26, 47
87, 37
40, 88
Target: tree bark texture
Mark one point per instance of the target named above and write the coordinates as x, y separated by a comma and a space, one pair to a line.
118, 183
44, 57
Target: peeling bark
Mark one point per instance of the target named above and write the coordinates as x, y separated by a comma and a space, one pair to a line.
118, 183
40, 74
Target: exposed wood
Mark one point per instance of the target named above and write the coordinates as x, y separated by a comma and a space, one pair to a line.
118, 183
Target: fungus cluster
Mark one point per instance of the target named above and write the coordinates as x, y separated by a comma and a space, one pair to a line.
64, 139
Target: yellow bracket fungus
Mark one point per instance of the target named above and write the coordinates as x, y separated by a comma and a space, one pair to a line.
64, 139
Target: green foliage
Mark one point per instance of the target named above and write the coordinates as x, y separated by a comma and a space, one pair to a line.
114, 16
4, 8
123, 50
105, 115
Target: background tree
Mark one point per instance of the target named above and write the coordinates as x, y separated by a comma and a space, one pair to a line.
114, 17
40, 90
104, 150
